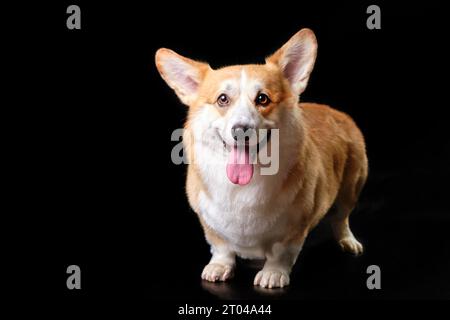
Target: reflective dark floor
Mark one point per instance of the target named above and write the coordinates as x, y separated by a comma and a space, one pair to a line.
409, 243
413, 257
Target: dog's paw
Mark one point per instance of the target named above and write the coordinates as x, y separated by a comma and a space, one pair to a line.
271, 278
217, 272
350, 244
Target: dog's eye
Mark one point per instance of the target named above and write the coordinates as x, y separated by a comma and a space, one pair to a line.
262, 100
223, 100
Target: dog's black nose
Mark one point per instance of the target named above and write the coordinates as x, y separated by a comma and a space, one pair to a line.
239, 131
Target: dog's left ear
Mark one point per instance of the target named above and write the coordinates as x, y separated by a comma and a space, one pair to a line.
296, 59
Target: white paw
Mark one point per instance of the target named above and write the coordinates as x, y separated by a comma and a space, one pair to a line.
350, 244
217, 272
271, 278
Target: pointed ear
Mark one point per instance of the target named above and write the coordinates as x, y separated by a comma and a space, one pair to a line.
181, 74
296, 59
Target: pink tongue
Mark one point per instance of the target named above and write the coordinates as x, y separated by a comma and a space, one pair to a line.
239, 168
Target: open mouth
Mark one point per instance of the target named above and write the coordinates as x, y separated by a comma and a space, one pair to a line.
259, 146
239, 166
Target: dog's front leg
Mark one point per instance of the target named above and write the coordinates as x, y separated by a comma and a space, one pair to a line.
221, 266
279, 262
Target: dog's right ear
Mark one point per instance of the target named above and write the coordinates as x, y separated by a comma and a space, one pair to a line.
181, 74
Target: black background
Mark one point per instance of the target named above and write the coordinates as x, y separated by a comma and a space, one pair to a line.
98, 189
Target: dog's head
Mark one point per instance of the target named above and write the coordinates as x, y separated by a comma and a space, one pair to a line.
235, 102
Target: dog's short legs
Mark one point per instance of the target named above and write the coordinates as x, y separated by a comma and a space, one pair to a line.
344, 236
221, 265
276, 270
345, 202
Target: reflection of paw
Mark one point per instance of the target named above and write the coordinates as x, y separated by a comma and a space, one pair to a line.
350, 244
271, 278
217, 272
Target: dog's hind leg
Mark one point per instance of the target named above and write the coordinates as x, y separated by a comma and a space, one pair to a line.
344, 236
346, 200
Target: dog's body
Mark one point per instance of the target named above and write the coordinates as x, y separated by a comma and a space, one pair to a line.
322, 159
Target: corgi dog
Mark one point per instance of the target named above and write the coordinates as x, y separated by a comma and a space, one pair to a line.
322, 162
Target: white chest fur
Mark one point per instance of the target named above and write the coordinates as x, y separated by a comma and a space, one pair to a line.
248, 217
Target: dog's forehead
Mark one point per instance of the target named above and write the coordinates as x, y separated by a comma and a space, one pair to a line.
244, 79
242, 76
